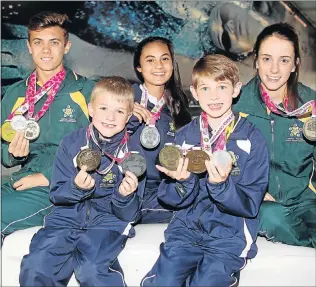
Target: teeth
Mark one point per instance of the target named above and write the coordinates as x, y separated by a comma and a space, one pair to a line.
215, 105
159, 74
273, 78
46, 59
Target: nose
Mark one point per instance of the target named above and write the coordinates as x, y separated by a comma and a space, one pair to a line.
46, 48
110, 116
214, 96
158, 64
274, 67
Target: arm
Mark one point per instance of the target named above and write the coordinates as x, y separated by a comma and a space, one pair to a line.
125, 200
63, 188
244, 198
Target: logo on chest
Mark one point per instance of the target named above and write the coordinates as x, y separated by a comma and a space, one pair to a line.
109, 180
68, 115
295, 134
172, 129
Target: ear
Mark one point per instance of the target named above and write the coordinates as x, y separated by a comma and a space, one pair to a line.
295, 65
90, 110
29, 46
194, 93
237, 89
257, 66
139, 69
67, 47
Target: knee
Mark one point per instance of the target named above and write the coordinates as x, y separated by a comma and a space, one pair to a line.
272, 215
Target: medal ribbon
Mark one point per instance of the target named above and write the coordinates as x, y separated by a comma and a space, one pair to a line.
33, 96
156, 111
306, 108
122, 147
222, 133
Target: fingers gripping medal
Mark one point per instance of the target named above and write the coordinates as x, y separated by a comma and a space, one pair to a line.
90, 158
197, 159
134, 163
169, 157
223, 158
309, 128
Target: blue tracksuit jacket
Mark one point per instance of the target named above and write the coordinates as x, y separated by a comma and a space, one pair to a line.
152, 211
215, 220
86, 230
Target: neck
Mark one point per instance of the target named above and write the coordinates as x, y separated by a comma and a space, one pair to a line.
44, 76
215, 123
278, 95
155, 91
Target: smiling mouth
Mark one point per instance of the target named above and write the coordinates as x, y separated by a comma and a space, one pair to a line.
110, 126
159, 74
273, 78
46, 59
215, 106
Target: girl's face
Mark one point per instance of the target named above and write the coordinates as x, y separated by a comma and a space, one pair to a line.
155, 64
275, 63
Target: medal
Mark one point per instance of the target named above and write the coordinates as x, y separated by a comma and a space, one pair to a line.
7, 132
150, 137
18, 123
309, 129
222, 158
32, 130
169, 157
134, 163
90, 158
197, 161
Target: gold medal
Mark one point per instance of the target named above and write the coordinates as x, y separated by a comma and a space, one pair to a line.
309, 129
7, 132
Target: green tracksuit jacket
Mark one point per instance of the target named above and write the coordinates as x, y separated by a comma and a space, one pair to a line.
68, 112
292, 182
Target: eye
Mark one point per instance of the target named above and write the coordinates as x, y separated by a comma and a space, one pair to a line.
266, 59
204, 89
222, 87
165, 59
150, 60
121, 112
36, 42
285, 61
55, 42
103, 108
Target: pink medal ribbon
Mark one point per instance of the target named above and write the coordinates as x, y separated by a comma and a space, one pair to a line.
156, 111
304, 109
122, 147
33, 96
206, 141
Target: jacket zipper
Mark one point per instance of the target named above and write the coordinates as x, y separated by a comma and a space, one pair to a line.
273, 165
87, 214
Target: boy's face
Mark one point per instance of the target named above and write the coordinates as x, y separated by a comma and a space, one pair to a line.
47, 47
109, 116
215, 97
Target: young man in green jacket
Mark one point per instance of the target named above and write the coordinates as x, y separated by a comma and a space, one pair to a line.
36, 114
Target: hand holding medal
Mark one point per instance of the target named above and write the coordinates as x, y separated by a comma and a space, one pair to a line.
19, 146
83, 180
181, 173
129, 184
217, 171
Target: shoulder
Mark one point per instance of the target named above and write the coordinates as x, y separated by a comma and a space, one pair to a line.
137, 92
74, 138
190, 132
306, 93
15, 91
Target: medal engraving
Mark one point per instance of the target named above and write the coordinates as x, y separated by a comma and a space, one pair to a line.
32, 130
309, 129
134, 163
18, 123
90, 158
169, 157
7, 132
150, 137
197, 161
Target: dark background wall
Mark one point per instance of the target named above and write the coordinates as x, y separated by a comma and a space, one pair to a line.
104, 34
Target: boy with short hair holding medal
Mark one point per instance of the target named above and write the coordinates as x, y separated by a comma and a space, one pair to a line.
36, 114
95, 194
217, 187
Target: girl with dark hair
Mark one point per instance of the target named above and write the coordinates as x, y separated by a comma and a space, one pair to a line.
285, 111
162, 107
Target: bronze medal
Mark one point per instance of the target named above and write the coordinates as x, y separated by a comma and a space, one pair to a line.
197, 161
309, 129
134, 163
90, 158
169, 157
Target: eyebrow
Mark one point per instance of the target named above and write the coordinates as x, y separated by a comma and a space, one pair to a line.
165, 54
53, 39
271, 56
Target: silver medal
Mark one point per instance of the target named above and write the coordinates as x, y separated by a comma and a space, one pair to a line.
32, 130
18, 123
150, 137
134, 163
222, 158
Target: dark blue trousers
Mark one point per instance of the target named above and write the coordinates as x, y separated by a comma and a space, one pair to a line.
56, 253
188, 260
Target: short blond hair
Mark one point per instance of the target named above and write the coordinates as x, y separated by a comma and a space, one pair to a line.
117, 86
217, 67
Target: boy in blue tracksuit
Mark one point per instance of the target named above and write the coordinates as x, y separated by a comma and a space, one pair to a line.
214, 231
90, 220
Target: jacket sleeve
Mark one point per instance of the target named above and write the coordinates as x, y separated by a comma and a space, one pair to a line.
125, 207
8, 101
63, 189
244, 198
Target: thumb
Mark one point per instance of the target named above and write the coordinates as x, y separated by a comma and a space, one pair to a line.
84, 168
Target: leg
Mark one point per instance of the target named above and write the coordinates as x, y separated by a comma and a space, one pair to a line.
97, 263
50, 261
173, 266
152, 210
218, 268
286, 224
23, 209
